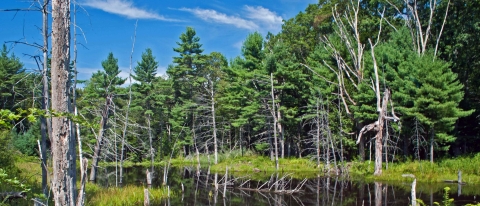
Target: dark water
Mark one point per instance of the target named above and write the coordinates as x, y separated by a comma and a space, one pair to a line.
199, 189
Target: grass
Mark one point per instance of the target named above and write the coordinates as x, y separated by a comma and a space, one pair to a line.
128, 195
424, 171
31, 174
258, 167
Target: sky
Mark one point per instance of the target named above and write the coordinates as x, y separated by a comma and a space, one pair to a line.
105, 26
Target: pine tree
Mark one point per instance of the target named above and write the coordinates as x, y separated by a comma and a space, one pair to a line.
145, 72
183, 75
11, 71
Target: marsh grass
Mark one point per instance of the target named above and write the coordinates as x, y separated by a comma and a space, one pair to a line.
128, 195
424, 171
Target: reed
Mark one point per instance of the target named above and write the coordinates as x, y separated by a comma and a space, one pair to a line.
128, 195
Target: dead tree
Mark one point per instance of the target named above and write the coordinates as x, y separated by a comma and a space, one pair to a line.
63, 145
378, 126
100, 137
125, 126
46, 124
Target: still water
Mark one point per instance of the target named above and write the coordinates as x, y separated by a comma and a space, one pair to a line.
281, 189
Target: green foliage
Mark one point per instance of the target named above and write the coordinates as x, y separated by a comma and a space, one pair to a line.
447, 201
26, 142
11, 74
262, 147
6, 151
8, 183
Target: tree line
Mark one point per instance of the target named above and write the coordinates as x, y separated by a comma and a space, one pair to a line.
339, 78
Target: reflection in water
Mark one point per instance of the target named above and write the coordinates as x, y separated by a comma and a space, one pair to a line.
200, 187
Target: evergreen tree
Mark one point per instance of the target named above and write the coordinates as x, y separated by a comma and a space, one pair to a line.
183, 75
11, 72
423, 87
145, 72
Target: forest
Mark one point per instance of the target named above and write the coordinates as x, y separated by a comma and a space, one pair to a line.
343, 81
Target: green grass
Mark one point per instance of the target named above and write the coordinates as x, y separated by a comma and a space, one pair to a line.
128, 195
424, 171
30, 173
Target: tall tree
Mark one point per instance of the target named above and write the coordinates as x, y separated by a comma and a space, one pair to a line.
183, 75
145, 73
63, 145
460, 45
436, 99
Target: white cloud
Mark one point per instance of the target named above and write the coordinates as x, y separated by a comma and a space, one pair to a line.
263, 15
124, 8
255, 18
212, 15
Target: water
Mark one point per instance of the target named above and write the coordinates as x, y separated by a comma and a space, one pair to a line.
199, 189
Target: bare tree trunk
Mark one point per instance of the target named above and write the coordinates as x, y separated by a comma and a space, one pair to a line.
101, 134
125, 127
274, 124
152, 155
382, 111
318, 134
432, 142
63, 146
45, 125
215, 145
280, 130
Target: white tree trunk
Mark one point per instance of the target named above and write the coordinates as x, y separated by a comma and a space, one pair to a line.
63, 146
274, 124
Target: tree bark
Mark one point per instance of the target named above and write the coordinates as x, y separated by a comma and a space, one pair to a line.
63, 145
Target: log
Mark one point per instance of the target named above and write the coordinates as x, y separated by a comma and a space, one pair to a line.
13, 195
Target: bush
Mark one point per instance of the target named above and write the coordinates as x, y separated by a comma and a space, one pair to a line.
6, 160
26, 142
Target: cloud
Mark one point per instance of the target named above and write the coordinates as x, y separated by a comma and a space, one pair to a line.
124, 8
264, 16
212, 15
255, 18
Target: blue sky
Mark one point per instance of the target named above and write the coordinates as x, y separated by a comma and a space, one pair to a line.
105, 26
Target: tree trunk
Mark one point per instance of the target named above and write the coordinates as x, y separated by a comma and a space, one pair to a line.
45, 124
280, 130
432, 142
125, 126
152, 155
378, 151
101, 134
63, 146
215, 144
274, 124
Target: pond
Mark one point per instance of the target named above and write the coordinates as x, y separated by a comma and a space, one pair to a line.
282, 189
